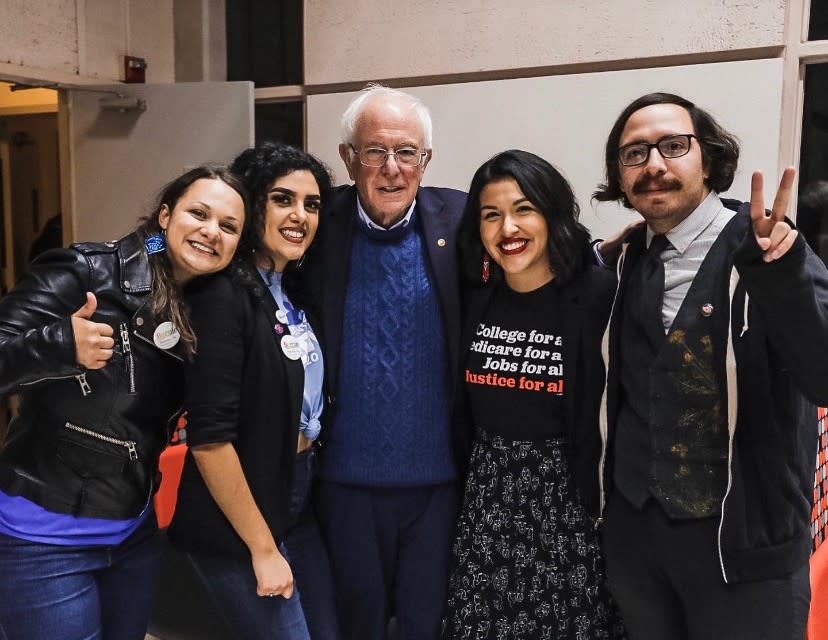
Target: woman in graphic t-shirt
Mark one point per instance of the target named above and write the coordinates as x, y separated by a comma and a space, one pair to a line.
526, 559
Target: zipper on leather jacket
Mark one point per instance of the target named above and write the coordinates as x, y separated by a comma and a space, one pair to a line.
129, 362
86, 389
130, 445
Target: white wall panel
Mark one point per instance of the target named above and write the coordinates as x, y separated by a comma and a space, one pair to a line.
118, 161
39, 34
566, 120
85, 37
362, 40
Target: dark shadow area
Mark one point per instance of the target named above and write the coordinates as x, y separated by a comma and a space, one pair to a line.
818, 24
812, 206
280, 122
183, 610
264, 41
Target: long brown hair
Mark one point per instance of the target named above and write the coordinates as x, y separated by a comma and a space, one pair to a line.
166, 299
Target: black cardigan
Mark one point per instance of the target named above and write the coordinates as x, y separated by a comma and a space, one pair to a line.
241, 388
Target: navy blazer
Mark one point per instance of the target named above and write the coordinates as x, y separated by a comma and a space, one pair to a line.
439, 211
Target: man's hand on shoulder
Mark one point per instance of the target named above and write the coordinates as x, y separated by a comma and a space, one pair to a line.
608, 250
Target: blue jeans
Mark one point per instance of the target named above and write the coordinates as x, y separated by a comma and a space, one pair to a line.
308, 555
78, 593
231, 582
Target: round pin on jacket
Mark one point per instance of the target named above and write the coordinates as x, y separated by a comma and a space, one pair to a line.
281, 316
291, 347
166, 336
707, 310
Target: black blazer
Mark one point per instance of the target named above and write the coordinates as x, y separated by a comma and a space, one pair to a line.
241, 388
585, 308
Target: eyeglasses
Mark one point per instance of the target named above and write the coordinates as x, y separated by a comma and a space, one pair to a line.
675, 146
377, 156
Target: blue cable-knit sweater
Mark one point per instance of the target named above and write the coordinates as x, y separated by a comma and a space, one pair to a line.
391, 426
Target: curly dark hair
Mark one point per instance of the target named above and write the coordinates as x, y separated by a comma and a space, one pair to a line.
720, 149
259, 167
545, 188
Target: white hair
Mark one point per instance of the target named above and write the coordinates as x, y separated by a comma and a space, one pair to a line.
358, 104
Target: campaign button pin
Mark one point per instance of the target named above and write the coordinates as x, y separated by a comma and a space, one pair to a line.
166, 336
281, 316
707, 310
291, 347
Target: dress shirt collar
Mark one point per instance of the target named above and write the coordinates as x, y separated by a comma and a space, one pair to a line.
694, 225
373, 225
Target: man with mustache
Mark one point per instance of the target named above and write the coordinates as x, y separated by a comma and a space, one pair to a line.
716, 352
388, 495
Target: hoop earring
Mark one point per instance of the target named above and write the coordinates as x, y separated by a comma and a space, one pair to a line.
484, 272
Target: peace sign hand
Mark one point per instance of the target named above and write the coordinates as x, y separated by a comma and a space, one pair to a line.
773, 235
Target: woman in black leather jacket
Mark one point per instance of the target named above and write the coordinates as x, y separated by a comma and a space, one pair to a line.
93, 339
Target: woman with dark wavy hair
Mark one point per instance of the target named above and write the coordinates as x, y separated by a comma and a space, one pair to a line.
94, 338
254, 399
527, 561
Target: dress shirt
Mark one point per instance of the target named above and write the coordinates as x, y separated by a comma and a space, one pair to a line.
691, 239
373, 225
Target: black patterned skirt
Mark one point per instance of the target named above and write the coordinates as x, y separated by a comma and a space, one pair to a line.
527, 562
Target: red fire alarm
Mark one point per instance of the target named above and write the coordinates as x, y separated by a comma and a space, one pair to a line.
134, 69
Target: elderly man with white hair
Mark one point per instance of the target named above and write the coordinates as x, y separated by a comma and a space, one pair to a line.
391, 459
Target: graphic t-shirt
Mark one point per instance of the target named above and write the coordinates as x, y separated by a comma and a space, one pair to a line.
514, 373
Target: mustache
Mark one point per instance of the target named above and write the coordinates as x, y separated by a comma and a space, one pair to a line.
647, 184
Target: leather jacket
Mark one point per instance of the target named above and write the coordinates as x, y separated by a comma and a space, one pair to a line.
86, 442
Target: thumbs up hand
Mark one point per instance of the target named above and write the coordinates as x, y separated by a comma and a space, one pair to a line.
93, 340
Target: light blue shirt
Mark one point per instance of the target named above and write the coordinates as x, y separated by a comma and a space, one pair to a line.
373, 225
311, 355
691, 240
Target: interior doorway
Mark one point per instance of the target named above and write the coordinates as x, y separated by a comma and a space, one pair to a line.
30, 215
31, 175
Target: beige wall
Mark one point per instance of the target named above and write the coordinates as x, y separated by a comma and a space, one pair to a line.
549, 76
61, 39
117, 161
433, 37
200, 41
566, 119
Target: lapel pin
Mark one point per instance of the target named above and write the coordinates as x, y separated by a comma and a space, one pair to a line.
441, 242
166, 336
707, 310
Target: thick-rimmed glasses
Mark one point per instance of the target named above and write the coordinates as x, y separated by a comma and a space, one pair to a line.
377, 156
636, 153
